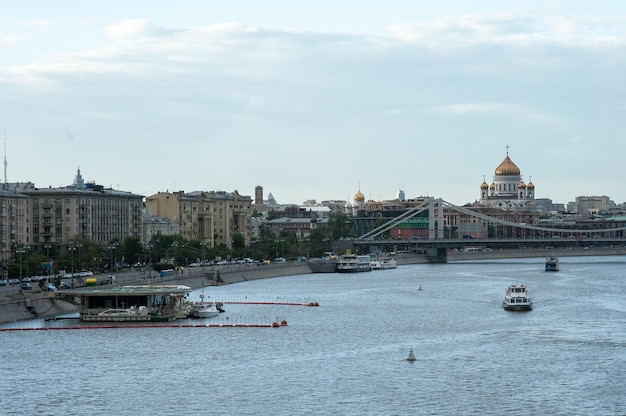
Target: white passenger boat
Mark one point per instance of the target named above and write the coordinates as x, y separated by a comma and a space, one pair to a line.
351, 263
382, 263
517, 298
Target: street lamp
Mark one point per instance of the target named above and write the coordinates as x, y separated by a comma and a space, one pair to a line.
150, 247
47, 247
112, 247
80, 262
202, 244
71, 249
20, 251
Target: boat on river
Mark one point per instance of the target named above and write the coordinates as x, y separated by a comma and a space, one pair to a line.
552, 264
204, 309
156, 303
352, 263
516, 298
323, 265
382, 263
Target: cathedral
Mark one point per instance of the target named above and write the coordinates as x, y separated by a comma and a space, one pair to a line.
507, 190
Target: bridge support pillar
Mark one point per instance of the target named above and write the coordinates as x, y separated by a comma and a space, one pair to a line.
437, 255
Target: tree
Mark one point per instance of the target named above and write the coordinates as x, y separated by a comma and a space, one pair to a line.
130, 250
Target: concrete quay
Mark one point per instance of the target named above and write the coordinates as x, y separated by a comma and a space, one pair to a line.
45, 305
38, 305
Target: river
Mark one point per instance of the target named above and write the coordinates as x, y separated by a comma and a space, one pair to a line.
348, 356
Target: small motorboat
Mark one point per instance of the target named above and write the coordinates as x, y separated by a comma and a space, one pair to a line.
205, 310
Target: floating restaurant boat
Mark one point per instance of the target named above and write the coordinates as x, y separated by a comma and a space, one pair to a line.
552, 264
517, 298
350, 263
131, 303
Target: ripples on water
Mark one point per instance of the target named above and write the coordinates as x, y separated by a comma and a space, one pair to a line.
348, 356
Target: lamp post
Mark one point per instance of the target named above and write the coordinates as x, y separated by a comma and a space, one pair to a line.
71, 250
80, 262
203, 244
47, 247
20, 251
112, 247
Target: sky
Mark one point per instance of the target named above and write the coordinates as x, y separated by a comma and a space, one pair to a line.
316, 100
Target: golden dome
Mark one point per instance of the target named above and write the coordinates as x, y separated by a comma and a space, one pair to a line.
507, 168
521, 185
492, 186
530, 185
359, 197
484, 185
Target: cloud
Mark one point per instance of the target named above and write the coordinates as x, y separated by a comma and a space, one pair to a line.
41, 24
10, 40
513, 29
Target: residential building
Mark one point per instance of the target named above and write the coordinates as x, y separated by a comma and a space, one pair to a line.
36, 216
210, 217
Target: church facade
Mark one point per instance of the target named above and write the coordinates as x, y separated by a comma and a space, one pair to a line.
507, 190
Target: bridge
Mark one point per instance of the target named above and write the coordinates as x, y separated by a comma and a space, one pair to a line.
505, 234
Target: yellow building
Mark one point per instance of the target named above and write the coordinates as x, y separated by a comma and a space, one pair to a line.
210, 217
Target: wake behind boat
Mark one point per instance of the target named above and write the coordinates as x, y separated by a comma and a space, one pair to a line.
517, 299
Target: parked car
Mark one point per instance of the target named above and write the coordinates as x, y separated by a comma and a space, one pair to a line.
26, 286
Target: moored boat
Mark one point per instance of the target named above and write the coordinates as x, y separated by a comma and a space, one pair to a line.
324, 265
204, 309
351, 263
552, 264
382, 263
516, 298
147, 303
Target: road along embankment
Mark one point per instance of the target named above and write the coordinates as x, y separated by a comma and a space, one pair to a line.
38, 305
520, 254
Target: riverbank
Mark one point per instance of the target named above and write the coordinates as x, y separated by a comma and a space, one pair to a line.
38, 305
19, 307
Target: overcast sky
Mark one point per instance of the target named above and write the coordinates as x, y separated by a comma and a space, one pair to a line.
312, 100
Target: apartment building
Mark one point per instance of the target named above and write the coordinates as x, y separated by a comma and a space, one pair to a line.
210, 217
14, 218
31, 216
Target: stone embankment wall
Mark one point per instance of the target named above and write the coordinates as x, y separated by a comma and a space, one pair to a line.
21, 308
15, 308
38, 305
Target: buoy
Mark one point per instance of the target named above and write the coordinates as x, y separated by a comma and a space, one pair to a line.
419, 288
411, 356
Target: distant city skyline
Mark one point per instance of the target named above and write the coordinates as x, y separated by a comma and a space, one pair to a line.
316, 102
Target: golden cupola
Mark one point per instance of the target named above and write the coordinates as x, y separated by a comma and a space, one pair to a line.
507, 168
359, 197
484, 185
521, 185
